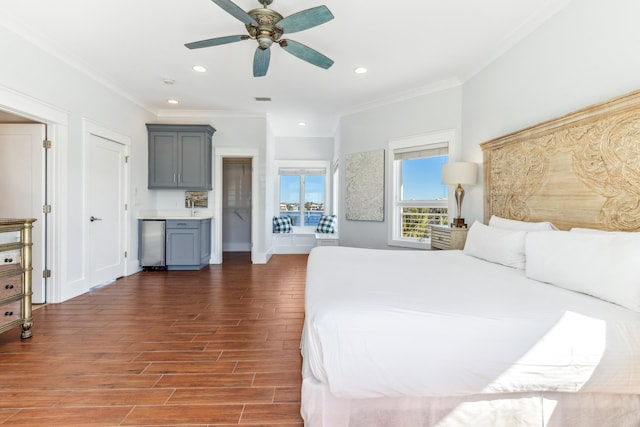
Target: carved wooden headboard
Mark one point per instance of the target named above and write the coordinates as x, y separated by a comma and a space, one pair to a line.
579, 170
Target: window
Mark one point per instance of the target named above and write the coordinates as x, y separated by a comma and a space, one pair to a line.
302, 194
418, 197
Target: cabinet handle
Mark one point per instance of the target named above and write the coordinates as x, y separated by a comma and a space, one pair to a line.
174, 178
179, 178
9, 287
8, 313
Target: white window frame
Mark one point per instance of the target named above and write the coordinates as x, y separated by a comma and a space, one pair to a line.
394, 202
301, 166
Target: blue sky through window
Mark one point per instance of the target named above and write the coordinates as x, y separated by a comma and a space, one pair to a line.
313, 188
421, 178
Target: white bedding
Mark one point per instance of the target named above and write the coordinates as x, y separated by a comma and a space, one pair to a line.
383, 323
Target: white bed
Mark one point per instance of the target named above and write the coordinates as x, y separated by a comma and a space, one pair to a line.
444, 333
525, 328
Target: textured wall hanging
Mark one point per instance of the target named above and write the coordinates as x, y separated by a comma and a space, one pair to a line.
365, 186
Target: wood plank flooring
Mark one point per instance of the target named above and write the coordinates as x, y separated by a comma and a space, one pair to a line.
215, 347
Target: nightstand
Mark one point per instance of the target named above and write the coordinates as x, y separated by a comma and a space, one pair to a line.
445, 237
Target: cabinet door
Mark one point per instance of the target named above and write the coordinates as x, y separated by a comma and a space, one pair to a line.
192, 160
163, 160
183, 247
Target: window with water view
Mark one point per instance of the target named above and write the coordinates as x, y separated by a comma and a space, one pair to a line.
302, 196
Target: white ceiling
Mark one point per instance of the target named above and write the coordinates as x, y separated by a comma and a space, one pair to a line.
408, 46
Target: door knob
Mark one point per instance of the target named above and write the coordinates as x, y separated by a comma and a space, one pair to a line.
93, 218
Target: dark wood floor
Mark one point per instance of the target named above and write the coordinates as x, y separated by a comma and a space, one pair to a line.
216, 347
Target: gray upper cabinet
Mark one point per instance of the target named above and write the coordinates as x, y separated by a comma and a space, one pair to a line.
180, 156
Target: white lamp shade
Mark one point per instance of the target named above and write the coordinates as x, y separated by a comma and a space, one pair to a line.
465, 173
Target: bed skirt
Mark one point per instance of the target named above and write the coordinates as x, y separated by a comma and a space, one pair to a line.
321, 409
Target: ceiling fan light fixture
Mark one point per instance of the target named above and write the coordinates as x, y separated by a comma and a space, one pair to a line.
267, 27
265, 41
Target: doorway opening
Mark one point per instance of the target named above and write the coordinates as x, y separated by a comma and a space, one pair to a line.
237, 176
23, 171
250, 157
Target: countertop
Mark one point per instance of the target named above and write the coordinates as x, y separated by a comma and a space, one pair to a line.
184, 214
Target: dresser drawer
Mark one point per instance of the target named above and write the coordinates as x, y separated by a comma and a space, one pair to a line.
10, 312
183, 223
443, 237
10, 286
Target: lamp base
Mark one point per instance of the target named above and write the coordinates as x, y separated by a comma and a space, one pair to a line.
458, 222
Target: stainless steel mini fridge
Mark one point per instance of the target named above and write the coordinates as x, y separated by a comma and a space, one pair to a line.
152, 244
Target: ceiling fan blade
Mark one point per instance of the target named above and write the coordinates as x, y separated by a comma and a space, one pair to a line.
261, 62
305, 19
232, 9
216, 41
306, 53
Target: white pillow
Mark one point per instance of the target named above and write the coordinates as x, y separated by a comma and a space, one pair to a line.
604, 265
494, 244
512, 224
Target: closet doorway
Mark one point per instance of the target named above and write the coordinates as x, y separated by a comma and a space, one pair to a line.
237, 178
23, 163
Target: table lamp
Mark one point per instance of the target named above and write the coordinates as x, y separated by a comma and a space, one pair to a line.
459, 173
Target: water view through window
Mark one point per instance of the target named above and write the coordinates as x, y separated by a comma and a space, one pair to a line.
310, 188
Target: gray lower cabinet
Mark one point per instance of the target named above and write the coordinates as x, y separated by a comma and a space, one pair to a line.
180, 156
188, 244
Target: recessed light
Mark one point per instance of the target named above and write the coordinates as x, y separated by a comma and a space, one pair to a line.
302, 124
360, 70
199, 68
173, 101
168, 81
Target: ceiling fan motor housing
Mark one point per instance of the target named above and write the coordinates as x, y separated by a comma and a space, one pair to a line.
266, 31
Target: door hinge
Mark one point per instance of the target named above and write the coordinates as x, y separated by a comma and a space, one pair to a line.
47, 144
46, 209
126, 206
125, 254
46, 273
126, 159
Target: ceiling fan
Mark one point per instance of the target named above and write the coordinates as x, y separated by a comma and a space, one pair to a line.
267, 27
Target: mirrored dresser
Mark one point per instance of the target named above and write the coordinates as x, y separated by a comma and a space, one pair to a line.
15, 275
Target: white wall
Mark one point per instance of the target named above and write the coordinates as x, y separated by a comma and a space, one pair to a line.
585, 54
372, 129
43, 79
294, 148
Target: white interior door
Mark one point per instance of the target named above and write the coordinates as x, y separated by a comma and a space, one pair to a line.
105, 210
22, 193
